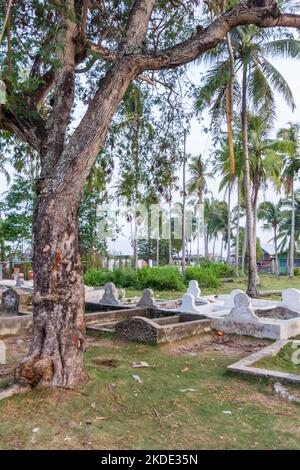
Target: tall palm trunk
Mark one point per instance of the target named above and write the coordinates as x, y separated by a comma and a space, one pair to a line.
214, 246
252, 266
244, 248
292, 239
229, 98
229, 225
198, 222
183, 203
276, 252
170, 233
237, 237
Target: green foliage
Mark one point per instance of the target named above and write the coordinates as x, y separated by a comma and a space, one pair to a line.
97, 277
206, 277
17, 209
162, 278
219, 269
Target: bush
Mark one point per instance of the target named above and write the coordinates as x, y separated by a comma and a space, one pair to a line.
126, 277
97, 277
220, 269
206, 277
160, 278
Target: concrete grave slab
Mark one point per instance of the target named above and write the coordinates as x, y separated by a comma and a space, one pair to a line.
244, 366
244, 319
196, 292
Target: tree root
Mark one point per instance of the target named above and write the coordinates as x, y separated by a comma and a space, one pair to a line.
14, 389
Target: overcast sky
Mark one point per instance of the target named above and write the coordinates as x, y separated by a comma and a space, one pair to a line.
199, 142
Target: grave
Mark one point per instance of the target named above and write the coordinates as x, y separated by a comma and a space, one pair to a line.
277, 322
110, 296
161, 330
188, 304
20, 280
15, 300
15, 312
147, 299
196, 292
290, 299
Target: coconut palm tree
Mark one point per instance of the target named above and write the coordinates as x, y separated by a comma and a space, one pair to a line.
271, 215
260, 79
290, 171
222, 165
289, 206
197, 184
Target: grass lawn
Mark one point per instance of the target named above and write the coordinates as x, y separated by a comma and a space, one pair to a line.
282, 361
113, 411
267, 283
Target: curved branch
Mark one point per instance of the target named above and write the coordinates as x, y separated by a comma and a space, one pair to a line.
208, 38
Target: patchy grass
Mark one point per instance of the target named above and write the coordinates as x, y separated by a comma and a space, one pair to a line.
112, 411
267, 283
284, 361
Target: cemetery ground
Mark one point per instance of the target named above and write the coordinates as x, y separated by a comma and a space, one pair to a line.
187, 400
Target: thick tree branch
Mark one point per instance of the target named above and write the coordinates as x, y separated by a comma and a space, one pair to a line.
137, 25
29, 129
6, 19
106, 54
210, 37
64, 84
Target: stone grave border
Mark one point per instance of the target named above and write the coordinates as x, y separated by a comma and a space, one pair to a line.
244, 365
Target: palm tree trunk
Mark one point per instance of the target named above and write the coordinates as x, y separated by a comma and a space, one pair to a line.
237, 239
157, 251
292, 239
229, 225
252, 266
206, 254
229, 98
244, 249
276, 253
214, 246
170, 233
183, 203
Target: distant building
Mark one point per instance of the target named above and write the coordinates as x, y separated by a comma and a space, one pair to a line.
283, 262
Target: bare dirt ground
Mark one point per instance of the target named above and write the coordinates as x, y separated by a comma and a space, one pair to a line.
227, 345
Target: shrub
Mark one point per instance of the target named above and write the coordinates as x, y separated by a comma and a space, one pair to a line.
97, 277
160, 278
220, 269
206, 277
125, 277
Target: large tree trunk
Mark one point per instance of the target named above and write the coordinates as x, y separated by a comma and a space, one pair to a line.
56, 353
252, 266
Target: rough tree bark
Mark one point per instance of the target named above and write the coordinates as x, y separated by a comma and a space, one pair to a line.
56, 354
